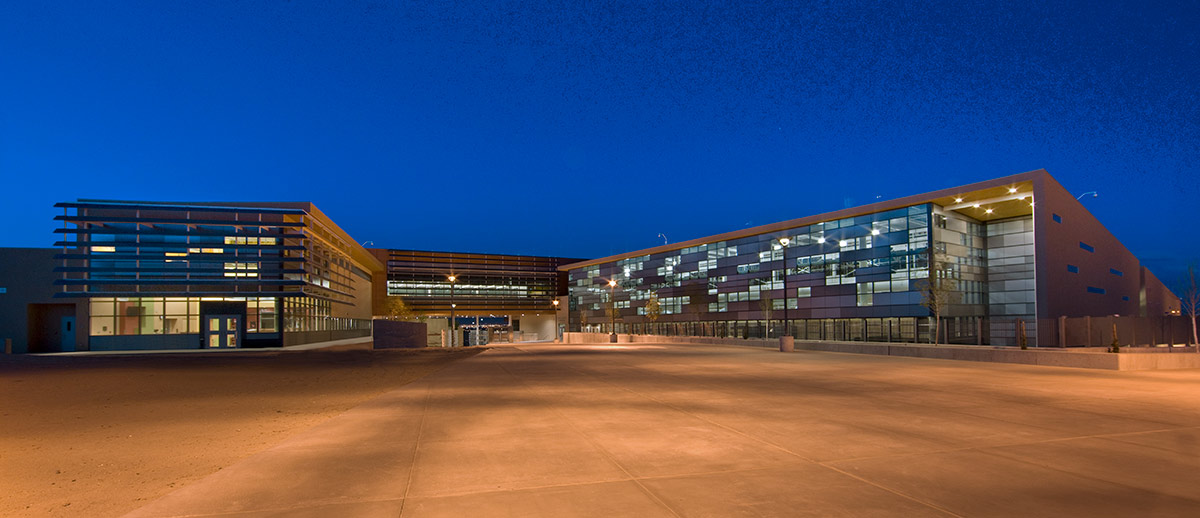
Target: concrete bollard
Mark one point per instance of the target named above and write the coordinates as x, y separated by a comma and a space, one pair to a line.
787, 344
8, 346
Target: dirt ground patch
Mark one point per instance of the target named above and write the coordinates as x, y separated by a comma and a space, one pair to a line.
103, 435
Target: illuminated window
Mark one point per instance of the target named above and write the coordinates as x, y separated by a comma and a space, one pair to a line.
213, 250
104, 249
240, 269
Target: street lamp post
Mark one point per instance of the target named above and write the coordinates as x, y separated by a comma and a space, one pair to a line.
556, 337
453, 321
612, 300
786, 342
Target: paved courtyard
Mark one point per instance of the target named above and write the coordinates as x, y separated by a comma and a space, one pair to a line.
658, 430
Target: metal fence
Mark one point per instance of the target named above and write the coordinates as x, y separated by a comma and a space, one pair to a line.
1153, 331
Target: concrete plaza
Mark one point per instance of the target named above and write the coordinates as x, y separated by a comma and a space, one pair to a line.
670, 430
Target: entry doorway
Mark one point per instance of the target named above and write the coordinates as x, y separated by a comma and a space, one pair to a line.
67, 330
222, 331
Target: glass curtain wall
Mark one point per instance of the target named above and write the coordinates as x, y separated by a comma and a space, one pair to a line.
851, 278
126, 316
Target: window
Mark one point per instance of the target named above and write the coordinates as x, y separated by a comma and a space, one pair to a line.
1093, 289
1057, 218
1116, 272
1072, 268
748, 268
1086, 246
1125, 298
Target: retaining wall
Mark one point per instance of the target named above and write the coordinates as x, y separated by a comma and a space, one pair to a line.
1129, 360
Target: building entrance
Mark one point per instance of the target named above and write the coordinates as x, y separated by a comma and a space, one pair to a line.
222, 331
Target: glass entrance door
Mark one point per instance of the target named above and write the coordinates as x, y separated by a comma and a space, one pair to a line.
222, 331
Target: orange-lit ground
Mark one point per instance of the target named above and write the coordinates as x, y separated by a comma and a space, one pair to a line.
668, 430
102, 436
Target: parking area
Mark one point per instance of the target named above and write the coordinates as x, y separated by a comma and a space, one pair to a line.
687, 430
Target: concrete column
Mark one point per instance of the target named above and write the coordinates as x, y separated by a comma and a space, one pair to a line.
1087, 322
787, 343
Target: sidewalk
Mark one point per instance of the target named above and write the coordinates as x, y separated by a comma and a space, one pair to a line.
301, 347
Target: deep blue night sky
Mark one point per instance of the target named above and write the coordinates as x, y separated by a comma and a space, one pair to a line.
587, 128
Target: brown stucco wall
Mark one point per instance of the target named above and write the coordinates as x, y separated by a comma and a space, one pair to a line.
1065, 293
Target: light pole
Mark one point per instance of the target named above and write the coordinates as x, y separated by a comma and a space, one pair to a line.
453, 322
612, 300
555, 302
1093, 193
786, 342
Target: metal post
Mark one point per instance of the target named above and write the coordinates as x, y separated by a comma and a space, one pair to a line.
556, 320
612, 300
787, 325
453, 321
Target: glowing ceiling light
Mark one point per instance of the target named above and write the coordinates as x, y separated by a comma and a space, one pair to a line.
957, 200
821, 239
989, 211
874, 232
1012, 189
842, 243
976, 205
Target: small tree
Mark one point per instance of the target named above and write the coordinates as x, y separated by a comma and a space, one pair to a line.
1116, 344
1021, 339
1191, 300
766, 304
397, 309
938, 292
653, 308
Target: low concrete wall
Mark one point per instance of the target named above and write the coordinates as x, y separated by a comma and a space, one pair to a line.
399, 335
308, 337
1052, 357
145, 342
